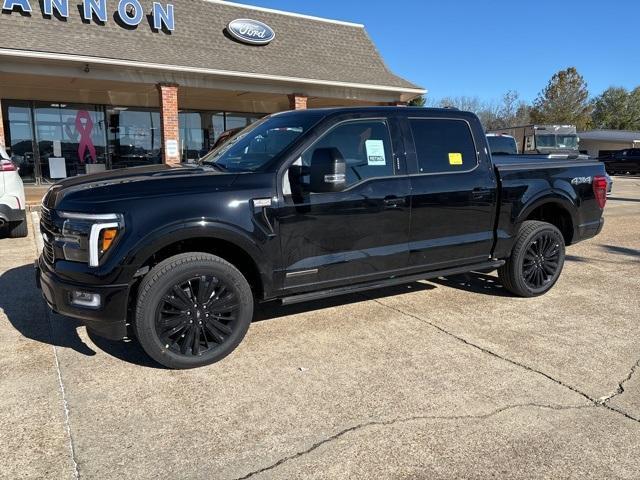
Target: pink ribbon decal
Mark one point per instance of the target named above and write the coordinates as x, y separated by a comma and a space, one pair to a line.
84, 126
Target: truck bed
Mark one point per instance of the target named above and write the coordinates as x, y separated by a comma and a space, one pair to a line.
524, 179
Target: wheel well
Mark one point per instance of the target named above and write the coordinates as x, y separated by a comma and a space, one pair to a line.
230, 252
555, 215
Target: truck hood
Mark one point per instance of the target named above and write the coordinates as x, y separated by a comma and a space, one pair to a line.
84, 193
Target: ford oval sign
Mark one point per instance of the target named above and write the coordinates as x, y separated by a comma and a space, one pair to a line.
252, 32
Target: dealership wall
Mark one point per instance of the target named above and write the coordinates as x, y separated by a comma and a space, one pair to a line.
58, 73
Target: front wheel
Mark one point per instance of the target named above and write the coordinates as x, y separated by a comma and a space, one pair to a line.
193, 309
536, 260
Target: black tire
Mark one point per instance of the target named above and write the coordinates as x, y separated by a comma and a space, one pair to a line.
174, 295
536, 260
18, 229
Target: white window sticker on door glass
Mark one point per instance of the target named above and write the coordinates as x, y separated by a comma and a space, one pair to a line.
375, 152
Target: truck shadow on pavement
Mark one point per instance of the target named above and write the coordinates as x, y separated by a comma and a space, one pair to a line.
629, 252
273, 310
620, 199
26, 311
474, 282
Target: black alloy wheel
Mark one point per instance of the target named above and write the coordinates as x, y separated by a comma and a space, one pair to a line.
536, 260
197, 315
193, 309
541, 260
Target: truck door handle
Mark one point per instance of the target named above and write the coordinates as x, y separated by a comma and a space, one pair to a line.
479, 193
393, 202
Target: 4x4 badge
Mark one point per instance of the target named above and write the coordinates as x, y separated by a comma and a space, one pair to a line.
580, 180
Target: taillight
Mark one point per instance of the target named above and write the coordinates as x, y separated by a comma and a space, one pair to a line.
600, 189
7, 166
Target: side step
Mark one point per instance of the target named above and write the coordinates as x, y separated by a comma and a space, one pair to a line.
332, 292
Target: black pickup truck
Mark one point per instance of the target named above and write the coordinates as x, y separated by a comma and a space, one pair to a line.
299, 206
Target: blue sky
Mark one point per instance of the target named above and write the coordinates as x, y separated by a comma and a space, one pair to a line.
483, 47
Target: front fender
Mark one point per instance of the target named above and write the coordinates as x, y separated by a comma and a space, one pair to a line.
193, 229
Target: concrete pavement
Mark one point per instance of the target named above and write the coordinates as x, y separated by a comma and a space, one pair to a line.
446, 379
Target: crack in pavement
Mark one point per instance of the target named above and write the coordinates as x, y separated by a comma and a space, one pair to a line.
594, 401
375, 423
65, 405
38, 244
620, 389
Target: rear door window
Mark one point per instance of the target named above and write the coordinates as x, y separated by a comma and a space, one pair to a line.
443, 145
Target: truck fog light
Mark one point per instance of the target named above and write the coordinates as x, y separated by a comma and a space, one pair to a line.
85, 299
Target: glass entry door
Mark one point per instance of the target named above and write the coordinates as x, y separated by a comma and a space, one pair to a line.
135, 136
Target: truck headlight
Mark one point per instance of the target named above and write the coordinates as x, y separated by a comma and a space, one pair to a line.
88, 237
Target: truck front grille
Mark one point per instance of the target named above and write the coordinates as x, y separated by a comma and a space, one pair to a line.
47, 229
48, 253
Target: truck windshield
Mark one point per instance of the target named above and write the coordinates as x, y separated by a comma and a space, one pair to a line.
569, 142
256, 145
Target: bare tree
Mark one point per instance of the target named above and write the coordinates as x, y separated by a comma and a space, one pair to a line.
509, 111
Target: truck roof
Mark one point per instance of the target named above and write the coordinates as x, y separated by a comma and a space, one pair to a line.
536, 126
418, 111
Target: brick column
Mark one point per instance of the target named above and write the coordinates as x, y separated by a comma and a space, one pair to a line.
297, 101
2, 138
169, 123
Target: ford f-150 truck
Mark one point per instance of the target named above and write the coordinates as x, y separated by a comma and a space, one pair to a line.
300, 206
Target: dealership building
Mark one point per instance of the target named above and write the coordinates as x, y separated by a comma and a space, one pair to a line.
89, 85
604, 143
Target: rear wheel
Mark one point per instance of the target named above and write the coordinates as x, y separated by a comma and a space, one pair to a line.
18, 229
193, 310
536, 260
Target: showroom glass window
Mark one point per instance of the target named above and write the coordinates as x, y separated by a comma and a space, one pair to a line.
217, 121
240, 120
71, 139
19, 131
199, 130
135, 136
192, 136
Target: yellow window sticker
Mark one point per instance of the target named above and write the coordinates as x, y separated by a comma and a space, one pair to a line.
455, 159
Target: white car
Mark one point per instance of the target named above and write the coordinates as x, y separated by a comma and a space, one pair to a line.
12, 202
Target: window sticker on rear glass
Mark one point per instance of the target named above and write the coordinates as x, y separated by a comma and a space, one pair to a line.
455, 158
375, 152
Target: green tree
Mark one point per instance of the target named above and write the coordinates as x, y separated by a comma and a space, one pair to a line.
618, 109
417, 102
565, 100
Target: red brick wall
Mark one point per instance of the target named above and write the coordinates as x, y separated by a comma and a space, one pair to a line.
297, 102
169, 120
2, 139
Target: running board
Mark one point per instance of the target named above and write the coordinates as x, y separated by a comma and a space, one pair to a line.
389, 282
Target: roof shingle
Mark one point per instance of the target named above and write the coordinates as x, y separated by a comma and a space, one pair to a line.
303, 48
